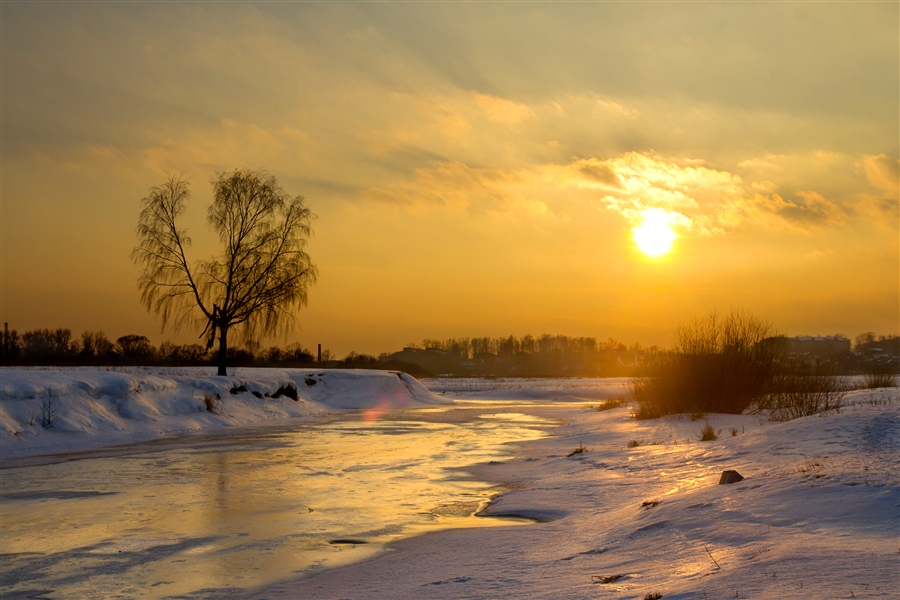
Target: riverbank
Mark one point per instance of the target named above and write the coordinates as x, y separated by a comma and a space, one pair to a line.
56, 410
638, 511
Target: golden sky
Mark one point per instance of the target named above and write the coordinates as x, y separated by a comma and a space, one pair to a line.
476, 168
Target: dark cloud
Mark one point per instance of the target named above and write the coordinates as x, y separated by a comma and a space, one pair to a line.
601, 173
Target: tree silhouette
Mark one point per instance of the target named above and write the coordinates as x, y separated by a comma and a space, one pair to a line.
262, 273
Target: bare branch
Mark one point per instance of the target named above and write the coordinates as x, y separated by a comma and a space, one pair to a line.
262, 274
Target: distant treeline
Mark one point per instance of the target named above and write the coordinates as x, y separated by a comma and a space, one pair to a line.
547, 355
528, 356
94, 348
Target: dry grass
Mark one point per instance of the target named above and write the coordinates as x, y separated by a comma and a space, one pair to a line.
581, 449
708, 434
611, 404
213, 403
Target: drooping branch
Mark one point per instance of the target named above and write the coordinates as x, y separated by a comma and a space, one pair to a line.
167, 285
262, 274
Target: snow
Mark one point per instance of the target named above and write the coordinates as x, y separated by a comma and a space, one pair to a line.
638, 512
94, 408
815, 517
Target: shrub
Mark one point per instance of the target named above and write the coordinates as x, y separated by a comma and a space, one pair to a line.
708, 434
880, 380
49, 411
653, 596
635, 444
718, 364
798, 392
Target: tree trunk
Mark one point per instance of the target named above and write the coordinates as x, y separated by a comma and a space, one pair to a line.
223, 349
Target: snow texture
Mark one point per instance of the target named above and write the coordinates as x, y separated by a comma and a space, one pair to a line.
46, 411
815, 517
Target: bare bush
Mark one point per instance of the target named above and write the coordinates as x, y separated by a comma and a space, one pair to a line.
719, 364
50, 411
796, 393
874, 381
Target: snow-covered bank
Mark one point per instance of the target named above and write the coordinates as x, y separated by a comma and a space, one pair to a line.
640, 512
45, 411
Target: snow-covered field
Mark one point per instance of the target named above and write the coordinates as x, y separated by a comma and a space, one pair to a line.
816, 516
90, 408
638, 512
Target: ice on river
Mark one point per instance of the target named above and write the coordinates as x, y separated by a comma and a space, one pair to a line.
223, 516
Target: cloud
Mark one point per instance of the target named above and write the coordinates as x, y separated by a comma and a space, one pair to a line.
600, 172
681, 187
807, 209
883, 172
448, 184
698, 199
501, 110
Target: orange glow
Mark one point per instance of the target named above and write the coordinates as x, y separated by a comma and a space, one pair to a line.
524, 196
374, 413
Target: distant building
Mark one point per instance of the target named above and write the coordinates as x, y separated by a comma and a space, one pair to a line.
818, 347
889, 347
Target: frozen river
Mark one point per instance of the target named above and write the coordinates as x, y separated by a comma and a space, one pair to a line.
223, 516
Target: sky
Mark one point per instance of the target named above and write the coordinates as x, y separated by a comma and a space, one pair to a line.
476, 168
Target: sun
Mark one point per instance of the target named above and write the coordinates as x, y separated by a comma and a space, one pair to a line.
654, 236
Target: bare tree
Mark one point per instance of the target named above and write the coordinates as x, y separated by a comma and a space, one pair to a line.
262, 273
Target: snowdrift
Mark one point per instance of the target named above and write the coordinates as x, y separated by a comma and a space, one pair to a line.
45, 411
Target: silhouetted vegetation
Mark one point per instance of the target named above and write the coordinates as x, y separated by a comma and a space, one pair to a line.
880, 380
262, 273
730, 365
719, 364
529, 356
798, 390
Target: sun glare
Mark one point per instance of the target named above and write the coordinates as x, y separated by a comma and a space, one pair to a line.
654, 236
